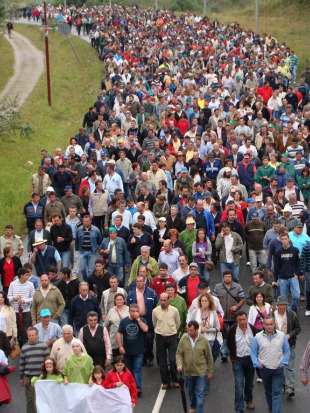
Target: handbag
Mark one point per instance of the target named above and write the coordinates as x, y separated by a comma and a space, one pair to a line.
15, 351
209, 265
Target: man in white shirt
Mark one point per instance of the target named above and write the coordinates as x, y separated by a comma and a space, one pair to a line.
149, 218
247, 145
126, 215
239, 340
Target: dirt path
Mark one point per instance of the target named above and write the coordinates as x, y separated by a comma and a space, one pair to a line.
28, 67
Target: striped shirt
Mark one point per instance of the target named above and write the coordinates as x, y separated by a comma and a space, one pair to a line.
294, 61
25, 290
86, 240
53, 331
31, 358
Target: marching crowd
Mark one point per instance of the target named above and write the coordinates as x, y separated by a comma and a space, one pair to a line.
195, 150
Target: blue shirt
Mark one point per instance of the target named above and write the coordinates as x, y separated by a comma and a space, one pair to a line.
53, 331
300, 241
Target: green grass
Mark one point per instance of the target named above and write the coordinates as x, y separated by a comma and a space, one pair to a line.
7, 62
74, 88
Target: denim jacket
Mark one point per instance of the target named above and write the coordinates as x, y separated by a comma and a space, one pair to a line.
122, 254
95, 238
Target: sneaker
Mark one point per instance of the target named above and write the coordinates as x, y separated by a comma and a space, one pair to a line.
248, 264
250, 405
259, 380
307, 313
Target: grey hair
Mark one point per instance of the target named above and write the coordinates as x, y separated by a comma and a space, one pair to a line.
83, 283
146, 247
67, 326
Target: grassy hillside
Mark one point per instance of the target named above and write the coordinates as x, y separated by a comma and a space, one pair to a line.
74, 88
7, 61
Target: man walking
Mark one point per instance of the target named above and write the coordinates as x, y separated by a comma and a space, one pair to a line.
87, 239
255, 231
239, 340
130, 341
33, 354
232, 298
270, 352
61, 234
96, 340
195, 358
287, 270
166, 322
288, 322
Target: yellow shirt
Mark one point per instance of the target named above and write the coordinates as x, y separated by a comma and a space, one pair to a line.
166, 322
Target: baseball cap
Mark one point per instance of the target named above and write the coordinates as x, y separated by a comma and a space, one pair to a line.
162, 219
184, 170
250, 201
203, 285
287, 208
112, 229
255, 215
45, 312
299, 225
193, 264
103, 153
68, 188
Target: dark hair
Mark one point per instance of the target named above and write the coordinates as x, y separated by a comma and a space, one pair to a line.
205, 237
28, 266
256, 294
98, 369
119, 359
9, 226
260, 273
92, 314
6, 300
163, 265
66, 271
6, 250
119, 295
99, 262
53, 270
21, 271
227, 272
240, 313
43, 368
193, 323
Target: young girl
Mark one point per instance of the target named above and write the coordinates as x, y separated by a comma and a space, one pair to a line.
49, 372
98, 376
121, 375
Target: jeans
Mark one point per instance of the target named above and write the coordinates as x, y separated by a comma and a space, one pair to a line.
126, 189
224, 349
87, 263
65, 258
207, 382
293, 70
230, 266
257, 255
273, 381
64, 318
203, 272
291, 285
27, 322
118, 271
195, 389
308, 291
289, 373
244, 378
164, 343
74, 257
134, 364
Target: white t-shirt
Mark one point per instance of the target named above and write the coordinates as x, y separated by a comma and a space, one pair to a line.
229, 242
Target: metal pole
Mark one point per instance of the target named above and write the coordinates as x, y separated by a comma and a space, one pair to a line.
156, 5
47, 60
110, 4
204, 8
256, 16
73, 49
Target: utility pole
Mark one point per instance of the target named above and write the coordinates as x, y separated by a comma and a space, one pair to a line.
204, 8
49, 99
256, 16
156, 5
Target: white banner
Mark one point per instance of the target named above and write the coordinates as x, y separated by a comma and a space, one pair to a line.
75, 398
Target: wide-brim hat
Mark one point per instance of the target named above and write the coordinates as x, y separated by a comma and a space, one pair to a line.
190, 220
39, 241
282, 300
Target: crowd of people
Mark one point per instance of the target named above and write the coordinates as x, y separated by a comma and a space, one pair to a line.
195, 151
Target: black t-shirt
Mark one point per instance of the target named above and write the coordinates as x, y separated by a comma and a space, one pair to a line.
133, 339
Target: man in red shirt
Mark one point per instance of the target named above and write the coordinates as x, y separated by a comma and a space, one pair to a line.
188, 285
265, 92
159, 282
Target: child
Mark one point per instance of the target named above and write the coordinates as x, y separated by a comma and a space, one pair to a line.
49, 372
121, 375
98, 376
5, 393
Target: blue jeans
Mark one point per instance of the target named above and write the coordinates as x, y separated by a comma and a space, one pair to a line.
293, 70
64, 318
87, 263
203, 272
230, 266
134, 364
195, 388
273, 381
291, 285
65, 258
126, 189
118, 271
244, 377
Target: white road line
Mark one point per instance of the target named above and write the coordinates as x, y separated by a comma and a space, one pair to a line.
159, 401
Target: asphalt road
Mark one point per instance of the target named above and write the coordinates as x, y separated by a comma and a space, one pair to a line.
221, 397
